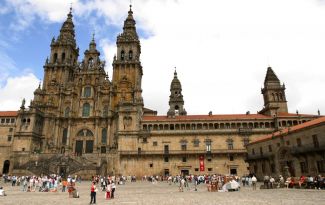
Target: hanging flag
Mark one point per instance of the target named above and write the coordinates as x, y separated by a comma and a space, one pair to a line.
201, 158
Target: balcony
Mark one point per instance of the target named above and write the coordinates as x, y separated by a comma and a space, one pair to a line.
264, 156
307, 148
179, 152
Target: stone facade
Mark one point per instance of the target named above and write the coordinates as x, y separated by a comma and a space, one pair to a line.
81, 122
294, 151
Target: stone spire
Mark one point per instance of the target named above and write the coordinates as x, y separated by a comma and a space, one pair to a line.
270, 76
176, 102
91, 58
274, 95
129, 30
67, 33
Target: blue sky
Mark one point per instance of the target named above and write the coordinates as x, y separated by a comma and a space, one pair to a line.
221, 48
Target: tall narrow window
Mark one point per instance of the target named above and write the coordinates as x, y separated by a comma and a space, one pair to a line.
67, 112
315, 141
104, 136
122, 55
298, 142
63, 57
208, 145
230, 143
183, 145
87, 92
130, 55
105, 111
55, 57
86, 110
89, 146
65, 136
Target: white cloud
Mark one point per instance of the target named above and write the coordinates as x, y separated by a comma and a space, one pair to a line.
221, 49
17, 88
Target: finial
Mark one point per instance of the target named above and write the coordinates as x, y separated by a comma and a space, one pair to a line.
318, 112
39, 84
175, 73
23, 104
297, 112
130, 5
93, 35
70, 7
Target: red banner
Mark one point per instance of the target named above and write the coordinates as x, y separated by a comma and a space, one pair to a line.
201, 163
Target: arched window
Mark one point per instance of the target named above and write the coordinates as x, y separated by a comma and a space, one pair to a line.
65, 136
87, 92
230, 143
85, 133
130, 55
273, 97
67, 112
86, 110
277, 97
122, 55
90, 63
55, 57
63, 57
104, 136
105, 111
280, 95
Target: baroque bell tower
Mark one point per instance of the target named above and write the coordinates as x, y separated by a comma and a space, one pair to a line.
176, 101
127, 75
274, 95
64, 55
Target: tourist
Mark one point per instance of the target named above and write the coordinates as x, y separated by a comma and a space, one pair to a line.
181, 184
93, 191
108, 191
272, 180
301, 181
243, 181
2, 192
113, 188
266, 181
287, 182
254, 180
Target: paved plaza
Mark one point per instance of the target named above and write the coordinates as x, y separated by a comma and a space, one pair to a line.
162, 193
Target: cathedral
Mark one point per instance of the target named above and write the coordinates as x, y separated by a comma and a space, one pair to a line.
81, 122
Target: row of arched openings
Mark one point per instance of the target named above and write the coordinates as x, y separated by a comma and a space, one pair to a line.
130, 56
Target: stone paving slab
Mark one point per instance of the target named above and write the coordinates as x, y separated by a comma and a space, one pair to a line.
163, 194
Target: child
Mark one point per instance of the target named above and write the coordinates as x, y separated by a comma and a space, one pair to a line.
108, 192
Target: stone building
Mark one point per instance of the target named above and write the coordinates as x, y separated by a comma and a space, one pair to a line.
294, 151
81, 122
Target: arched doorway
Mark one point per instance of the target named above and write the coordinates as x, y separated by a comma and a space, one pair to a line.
286, 162
84, 142
6, 166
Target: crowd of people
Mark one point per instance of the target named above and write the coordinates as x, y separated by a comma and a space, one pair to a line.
306, 182
107, 184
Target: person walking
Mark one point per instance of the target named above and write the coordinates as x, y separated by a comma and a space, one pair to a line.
254, 180
113, 189
93, 190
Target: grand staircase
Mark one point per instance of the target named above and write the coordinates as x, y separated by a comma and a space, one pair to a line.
58, 163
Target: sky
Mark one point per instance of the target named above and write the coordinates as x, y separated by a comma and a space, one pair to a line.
221, 48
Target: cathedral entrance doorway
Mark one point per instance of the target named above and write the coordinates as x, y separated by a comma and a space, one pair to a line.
79, 147
63, 171
185, 172
6, 166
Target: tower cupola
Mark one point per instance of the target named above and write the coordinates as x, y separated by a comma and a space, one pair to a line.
176, 102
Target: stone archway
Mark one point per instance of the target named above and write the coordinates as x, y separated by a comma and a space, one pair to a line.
6, 166
103, 168
286, 162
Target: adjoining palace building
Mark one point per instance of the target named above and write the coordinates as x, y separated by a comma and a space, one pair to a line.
295, 151
81, 122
